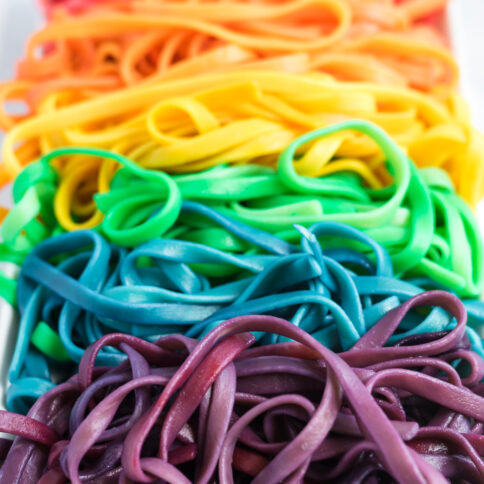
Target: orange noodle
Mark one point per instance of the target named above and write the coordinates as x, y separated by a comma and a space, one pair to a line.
90, 47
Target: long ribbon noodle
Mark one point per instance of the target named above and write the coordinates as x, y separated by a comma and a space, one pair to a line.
334, 282
239, 117
183, 411
426, 228
235, 224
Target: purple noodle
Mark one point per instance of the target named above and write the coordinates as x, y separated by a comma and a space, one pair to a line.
182, 411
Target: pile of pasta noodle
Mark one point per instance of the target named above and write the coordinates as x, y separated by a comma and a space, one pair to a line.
101, 69
121, 43
245, 246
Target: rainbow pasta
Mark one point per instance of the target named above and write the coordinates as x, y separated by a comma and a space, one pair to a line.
427, 229
239, 117
185, 412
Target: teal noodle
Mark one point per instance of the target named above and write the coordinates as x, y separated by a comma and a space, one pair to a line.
428, 230
85, 287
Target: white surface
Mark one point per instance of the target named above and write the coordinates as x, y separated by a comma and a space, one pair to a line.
467, 33
18, 18
8, 335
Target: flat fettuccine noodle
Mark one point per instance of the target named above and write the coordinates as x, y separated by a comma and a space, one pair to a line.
251, 116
